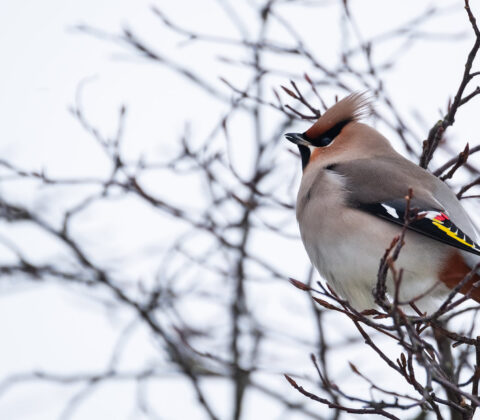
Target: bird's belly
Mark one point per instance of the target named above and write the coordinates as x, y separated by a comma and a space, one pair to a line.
347, 254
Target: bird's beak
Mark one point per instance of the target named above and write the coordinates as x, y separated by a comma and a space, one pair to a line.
297, 138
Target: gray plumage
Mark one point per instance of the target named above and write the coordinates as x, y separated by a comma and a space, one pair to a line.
359, 167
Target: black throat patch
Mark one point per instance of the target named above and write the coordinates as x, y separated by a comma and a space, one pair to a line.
305, 154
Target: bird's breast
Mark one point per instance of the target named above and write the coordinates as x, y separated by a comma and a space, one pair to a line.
321, 196
346, 244
321, 215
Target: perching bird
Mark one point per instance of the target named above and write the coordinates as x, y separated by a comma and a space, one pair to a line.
351, 204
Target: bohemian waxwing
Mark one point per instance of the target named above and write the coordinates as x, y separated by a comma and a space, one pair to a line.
351, 204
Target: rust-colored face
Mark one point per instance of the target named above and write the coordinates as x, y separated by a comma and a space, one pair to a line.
317, 140
313, 147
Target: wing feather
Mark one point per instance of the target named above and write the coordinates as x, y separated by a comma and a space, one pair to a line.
380, 189
432, 223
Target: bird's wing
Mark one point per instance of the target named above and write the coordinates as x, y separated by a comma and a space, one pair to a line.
380, 187
432, 223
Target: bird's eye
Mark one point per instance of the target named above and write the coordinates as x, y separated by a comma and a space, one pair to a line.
324, 141
327, 137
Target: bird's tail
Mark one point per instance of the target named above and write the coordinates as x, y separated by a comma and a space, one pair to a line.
455, 270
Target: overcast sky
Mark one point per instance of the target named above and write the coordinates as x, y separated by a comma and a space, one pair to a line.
44, 59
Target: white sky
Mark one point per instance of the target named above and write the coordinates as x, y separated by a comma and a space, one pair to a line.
43, 62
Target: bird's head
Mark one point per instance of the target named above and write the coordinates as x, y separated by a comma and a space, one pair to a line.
337, 132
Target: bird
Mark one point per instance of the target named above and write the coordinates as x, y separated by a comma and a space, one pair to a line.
352, 203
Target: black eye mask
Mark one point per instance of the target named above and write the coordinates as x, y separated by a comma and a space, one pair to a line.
328, 136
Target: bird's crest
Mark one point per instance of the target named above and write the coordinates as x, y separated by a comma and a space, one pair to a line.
351, 108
